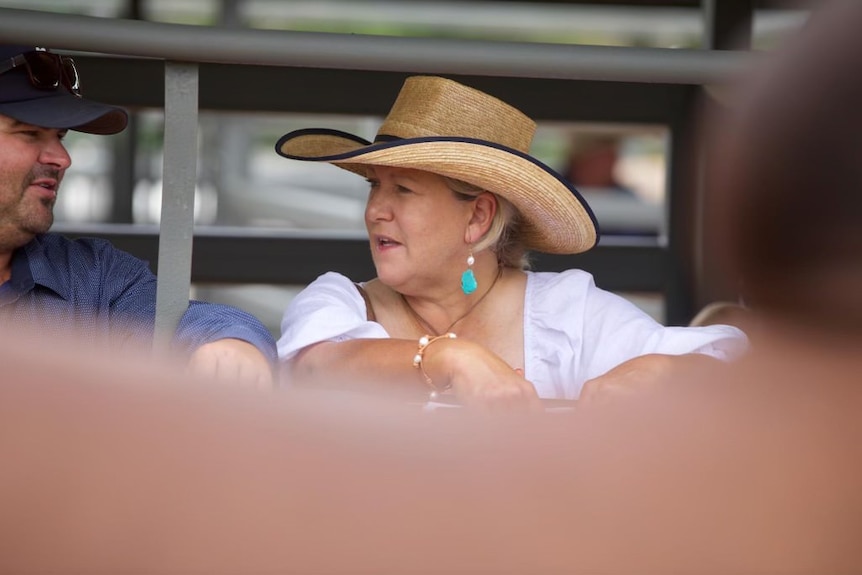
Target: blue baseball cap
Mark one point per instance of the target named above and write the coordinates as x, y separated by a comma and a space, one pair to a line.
54, 102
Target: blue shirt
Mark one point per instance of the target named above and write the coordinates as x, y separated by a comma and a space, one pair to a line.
89, 285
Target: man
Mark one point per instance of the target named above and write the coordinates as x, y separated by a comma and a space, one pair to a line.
87, 284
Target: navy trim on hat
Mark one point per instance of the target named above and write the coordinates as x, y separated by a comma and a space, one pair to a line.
383, 142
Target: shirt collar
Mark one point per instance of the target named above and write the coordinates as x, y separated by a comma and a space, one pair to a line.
30, 267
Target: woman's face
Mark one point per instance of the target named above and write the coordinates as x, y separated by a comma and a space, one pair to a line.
417, 229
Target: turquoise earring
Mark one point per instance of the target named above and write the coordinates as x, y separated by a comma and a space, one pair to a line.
468, 280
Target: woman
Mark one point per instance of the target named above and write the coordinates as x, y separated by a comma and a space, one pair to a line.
455, 204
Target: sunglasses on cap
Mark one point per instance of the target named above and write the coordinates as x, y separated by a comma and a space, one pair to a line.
46, 70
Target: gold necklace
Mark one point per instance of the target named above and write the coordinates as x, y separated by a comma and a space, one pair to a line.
422, 323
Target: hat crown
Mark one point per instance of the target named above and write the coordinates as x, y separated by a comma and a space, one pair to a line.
439, 126
430, 106
55, 107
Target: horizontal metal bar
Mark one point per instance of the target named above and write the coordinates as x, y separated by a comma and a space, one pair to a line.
137, 82
259, 256
364, 52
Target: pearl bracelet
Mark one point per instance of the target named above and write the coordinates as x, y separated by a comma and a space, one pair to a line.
424, 342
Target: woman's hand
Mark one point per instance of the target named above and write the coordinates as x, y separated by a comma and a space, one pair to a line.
640, 375
479, 377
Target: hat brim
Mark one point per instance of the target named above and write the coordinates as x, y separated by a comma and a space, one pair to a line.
62, 110
556, 218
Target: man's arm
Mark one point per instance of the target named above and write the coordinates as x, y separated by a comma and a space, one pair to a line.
227, 343
221, 340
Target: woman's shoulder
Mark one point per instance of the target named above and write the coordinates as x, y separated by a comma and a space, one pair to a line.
565, 281
557, 295
327, 288
331, 279
573, 291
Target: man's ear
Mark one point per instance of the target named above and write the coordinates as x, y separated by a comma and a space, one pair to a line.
484, 209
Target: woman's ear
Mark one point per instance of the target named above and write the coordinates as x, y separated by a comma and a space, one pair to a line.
484, 209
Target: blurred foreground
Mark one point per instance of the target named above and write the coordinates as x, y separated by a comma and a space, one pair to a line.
119, 465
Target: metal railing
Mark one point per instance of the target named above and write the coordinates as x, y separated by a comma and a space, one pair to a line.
183, 47
358, 52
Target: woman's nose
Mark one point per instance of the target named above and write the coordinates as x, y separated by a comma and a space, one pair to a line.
378, 208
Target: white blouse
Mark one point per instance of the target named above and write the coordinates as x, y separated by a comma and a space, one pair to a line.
573, 330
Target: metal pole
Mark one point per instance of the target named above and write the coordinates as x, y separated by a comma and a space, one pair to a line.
178, 199
728, 24
124, 151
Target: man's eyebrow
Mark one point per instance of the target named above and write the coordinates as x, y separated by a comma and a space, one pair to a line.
18, 123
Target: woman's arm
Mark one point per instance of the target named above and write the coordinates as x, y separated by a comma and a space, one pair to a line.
328, 341
473, 373
364, 364
646, 373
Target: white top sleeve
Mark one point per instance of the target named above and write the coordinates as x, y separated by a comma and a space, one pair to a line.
329, 309
575, 331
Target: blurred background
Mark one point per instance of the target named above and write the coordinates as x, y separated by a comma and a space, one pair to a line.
622, 168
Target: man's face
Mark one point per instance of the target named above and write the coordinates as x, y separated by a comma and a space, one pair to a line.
32, 163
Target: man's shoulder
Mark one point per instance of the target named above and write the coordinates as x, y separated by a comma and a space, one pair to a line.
57, 245
52, 240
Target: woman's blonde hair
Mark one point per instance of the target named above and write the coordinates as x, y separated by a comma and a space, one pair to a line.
502, 236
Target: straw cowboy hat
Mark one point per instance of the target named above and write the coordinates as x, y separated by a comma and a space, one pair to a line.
440, 126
